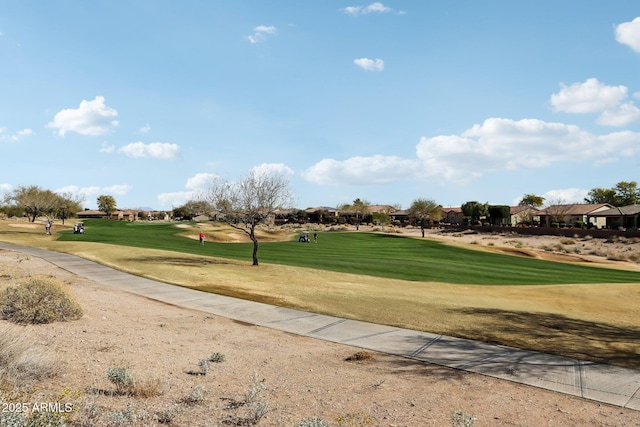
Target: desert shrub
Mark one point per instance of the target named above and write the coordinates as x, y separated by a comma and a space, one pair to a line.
313, 422
612, 256
128, 417
635, 257
567, 241
46, 419
145, 388
354, 420
255, 401
22, 360
462, 419
167, 416
12, 419
38, 301
217, 357
196, 397
359, 356
205, 365
122, 379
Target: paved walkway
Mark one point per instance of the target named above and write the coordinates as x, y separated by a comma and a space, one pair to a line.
598, 382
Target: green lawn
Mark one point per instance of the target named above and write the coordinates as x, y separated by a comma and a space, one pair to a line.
371, 254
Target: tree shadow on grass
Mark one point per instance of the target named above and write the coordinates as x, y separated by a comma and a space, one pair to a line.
556, 334
178, 261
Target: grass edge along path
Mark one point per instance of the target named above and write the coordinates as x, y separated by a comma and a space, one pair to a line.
373, 254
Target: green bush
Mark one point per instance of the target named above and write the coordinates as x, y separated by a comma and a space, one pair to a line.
38, 301
122, 379
217, 357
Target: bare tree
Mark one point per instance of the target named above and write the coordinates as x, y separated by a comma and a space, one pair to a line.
33, 200
556, 211
249, 201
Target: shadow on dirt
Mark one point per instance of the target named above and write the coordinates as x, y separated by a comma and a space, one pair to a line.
557, 334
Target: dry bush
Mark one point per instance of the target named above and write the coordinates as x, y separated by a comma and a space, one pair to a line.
38, 300
359, 356
22, 360
147, 387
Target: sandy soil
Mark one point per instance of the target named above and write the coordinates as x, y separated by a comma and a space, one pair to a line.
297, 377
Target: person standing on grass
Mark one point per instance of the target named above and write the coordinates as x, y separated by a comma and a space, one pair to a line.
202, 238
315, 237
47, 227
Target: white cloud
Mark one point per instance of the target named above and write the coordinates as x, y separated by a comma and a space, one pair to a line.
6, 188
92, 118
107, 148
16, 136
628, 33
260, 33
588, 97
565, 196
158, 150
272, 169
119, 190
495, 145
145, 129
375, 7
176, 199
369, 64
371, 170
90, 193
195, 186
200, 181
595, 97
622, 115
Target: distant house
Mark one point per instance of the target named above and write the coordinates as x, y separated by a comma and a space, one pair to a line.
625, 217
88, 213
322, 212
520, 215
452, 215
571, 214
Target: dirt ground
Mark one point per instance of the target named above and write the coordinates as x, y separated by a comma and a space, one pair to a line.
298, 378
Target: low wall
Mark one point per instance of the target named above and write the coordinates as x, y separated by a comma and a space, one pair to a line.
550, 231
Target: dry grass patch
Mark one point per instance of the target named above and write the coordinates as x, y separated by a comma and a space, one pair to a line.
22, 360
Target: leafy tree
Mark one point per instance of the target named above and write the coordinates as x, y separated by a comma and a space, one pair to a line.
192, 208
250, 201
623, 194
425, 210
381, 218
107, 204
602, 195
68, 205
498, 213
359, 207
475, 210
627, 193
532, 201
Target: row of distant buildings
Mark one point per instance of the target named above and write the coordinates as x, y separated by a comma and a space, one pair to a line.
601, 215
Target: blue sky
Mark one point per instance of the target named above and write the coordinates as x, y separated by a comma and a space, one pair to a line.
383, 101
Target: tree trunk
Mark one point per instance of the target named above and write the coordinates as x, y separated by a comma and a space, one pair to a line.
422, 230
252, 235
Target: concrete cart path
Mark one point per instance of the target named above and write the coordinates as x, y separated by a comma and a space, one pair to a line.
598, 382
